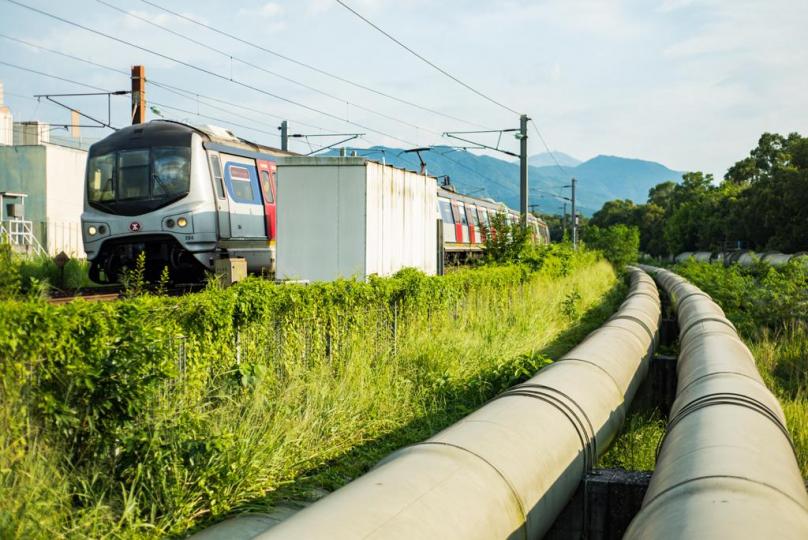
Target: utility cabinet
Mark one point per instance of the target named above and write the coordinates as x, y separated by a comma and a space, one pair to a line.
342, 217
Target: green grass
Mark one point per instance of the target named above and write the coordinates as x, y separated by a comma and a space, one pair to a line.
782, 358
635, 447
306, 396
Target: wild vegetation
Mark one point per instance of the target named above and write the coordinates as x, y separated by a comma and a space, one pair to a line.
38, 274
152, 415
769, 307
761, 204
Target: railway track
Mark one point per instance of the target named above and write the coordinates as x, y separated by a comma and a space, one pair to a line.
115, 292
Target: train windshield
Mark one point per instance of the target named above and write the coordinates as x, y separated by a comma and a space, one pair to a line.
131, 182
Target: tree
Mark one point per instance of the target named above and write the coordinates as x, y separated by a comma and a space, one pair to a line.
613, 212
761, 204
620, 244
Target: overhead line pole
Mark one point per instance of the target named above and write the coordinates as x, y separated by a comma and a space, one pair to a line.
284, 136
574, 219
564, 221
523, 194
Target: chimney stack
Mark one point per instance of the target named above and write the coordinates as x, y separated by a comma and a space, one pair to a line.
6, 122
138, 94
75, 120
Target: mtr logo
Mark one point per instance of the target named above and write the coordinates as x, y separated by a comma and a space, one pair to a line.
134, 226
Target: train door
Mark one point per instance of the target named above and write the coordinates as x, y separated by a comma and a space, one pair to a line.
266, 176
246, 207
222, 204
448, 220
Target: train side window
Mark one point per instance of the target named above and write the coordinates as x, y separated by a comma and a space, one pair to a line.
216, 171
483, 216
471, 213
446, 211
241, 182
266, 187
455, 212
463, 218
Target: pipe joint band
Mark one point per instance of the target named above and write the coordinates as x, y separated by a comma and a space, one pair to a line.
725, 398
569, 408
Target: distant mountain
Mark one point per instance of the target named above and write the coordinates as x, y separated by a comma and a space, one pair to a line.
604, 178
600, 179
546, 158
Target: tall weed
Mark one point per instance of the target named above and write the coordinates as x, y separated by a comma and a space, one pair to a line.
145, 416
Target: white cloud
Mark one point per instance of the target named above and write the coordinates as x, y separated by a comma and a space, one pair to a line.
668, 6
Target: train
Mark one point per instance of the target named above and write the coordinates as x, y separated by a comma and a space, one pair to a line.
188, 195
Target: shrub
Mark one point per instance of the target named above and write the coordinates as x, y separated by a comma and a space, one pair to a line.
164, 410
620, 244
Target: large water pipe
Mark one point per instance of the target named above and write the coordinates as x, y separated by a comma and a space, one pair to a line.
743, 258
508, 469
726, 467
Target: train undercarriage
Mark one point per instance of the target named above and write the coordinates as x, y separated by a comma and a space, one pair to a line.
161, 251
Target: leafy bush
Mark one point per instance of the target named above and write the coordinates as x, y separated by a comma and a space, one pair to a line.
9, 272
22, 274
754, 298
505, 242
141, 417
619, 244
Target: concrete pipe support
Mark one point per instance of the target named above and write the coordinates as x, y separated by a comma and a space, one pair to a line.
508, 469
726, 467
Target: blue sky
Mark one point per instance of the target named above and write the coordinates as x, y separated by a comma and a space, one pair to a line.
689, 83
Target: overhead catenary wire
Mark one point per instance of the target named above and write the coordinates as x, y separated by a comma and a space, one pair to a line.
208, 72
424, 59
186, 111
549, 151
188, 94
310, 66
43, 74
216, 119
252, 65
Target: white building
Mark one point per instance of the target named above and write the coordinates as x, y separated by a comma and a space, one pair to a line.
50, 176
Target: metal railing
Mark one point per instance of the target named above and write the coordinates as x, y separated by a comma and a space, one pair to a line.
20, 234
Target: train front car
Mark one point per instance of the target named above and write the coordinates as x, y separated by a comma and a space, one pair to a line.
183, 196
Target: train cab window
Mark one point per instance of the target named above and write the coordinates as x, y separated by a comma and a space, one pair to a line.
171, 171
133, 174
266, 187
216, 172
462, 211
101, 178
471, 213
446, 211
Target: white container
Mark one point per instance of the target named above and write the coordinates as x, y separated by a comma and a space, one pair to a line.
351, 217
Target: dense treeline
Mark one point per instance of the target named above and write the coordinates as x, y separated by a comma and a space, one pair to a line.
761, 204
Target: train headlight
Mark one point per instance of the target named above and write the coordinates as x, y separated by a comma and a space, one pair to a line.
102, 229
91, 230
170, 223
182, 222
